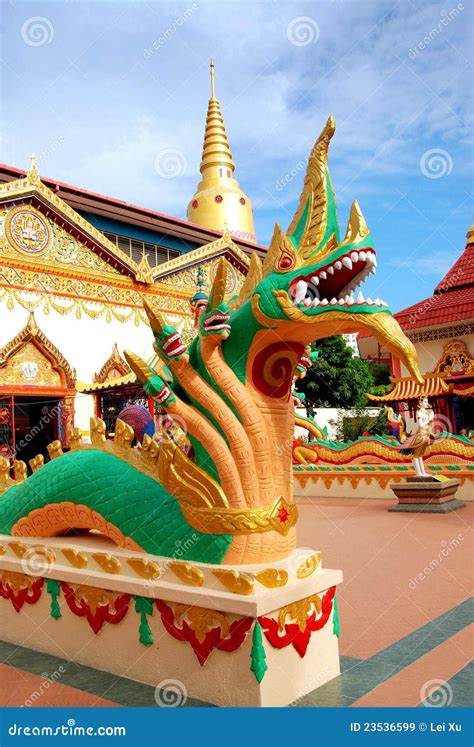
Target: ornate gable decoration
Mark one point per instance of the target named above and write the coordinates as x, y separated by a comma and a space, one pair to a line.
455, 360
65, 236
180, 272
114, 368
31, 359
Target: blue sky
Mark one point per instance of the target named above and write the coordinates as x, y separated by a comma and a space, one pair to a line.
102, 90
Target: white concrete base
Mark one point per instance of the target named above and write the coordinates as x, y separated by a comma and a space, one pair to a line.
225, 679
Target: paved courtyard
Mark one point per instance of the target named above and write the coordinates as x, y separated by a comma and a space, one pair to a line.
405, 613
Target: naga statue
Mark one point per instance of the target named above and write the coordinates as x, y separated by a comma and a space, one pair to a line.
230, 499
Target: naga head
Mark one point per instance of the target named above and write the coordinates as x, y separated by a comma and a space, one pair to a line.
311, 278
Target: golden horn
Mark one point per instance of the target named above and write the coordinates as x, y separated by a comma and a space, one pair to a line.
156, 322
219, 285
357, 229
138, 366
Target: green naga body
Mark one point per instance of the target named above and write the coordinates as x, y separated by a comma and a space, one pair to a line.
231, 391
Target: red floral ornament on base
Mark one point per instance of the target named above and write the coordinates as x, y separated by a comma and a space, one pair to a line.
292, 633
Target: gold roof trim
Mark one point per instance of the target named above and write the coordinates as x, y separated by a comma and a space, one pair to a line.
32, 333
206, 252
32, 183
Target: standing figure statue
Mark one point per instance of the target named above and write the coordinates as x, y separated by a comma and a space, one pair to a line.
417, 443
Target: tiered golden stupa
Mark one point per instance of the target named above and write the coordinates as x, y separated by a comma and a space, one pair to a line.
219, 202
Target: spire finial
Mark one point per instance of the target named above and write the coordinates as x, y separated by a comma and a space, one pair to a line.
213, 92
33, 173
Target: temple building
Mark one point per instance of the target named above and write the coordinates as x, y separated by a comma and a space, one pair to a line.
74, 269
442, 329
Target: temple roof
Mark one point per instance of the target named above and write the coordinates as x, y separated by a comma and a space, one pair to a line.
452, 299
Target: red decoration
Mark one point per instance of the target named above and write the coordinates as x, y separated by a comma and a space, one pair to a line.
292, 635
218, 198
195, 203
283, 515
286, 263
242, 200
29, 593
273, 368
97, 616
237, 633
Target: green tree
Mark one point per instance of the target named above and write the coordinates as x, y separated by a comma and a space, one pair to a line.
336, 378
350, 425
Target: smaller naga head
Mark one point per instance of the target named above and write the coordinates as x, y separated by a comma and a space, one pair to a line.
168, 342
215, 319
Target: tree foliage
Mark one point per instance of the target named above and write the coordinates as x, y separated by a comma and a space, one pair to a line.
336, 378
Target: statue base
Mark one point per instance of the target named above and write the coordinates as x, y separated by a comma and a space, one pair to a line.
246, 636
428, 494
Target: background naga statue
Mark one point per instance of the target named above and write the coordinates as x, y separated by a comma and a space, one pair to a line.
231, 500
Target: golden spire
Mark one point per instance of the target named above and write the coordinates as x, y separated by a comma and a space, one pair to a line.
219, 201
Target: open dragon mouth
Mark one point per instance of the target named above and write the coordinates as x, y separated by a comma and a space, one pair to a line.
335, 284
173, 346
216, 322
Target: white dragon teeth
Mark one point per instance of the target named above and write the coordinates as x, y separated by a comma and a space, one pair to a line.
331, 270
341, 302
300, 291
354, 256
369, 301
333, 301
315, 302
322, 275
324, 302
377, 301
338, 265
315, 280
349, 300
347, 263
360, 297
307, 301
362, 256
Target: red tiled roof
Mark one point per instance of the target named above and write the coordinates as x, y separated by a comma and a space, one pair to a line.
453, 305
452, 300
461, 273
